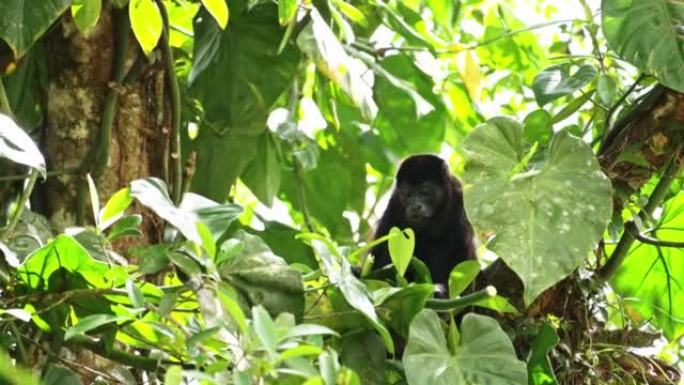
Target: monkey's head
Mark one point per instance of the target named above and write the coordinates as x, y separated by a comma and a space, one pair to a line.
423, 189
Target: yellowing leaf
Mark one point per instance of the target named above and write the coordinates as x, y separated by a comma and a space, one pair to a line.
218, 10
146, 22
472, 76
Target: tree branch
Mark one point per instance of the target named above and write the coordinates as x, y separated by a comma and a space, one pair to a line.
632, 227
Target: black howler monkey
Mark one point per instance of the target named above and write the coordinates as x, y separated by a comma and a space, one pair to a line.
428, 199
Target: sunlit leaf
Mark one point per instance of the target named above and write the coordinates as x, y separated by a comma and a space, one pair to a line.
146, 22
400, 245
557, 207
218, 10
555, 82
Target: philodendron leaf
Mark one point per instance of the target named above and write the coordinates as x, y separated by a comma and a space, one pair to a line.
23, 22
547, 216
484, 355
648, 34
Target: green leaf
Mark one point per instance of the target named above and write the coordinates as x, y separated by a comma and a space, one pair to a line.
354, 291
350, 11
115, 207
411, 119
89, 323
146, 22
538, 365
485, 355
443, 12
649, 279
497, 303
265, 329
365, 354
461, 276
152, 193
319, 42
65, 254
556, 81
173, 375
217, 217
218, 10
134, 294
264, 174
23, 22
556, 210
262, 278
648, 35
17, 146
126, 227
607, 89
287, 10
538, 127
86, 13
57, 375
187, 264
400, 245
235, 102
572, 107
404, 304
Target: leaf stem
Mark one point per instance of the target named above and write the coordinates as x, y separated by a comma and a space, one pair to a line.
5, 107
460, 302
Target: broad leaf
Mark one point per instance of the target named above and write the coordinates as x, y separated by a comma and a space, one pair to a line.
338, 271
538, 364
89, 323
86, 13
555, 209
236, 77
555, 82
64, 253
365, 354
648, 34
146, 22
319, 42
152, 193
218, 10
23, 21
265, 329
401, 245
650, 279
262, 278
17, 146
462, 276
484, 356
264, 174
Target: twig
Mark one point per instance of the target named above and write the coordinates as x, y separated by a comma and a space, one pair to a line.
632, 227
622, 249
96, 160
20, 205
466, 300
609, 114
174, 91
47, 174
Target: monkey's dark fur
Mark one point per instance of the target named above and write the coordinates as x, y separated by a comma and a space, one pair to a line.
444, 236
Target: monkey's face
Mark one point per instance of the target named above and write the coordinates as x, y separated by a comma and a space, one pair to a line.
420, 202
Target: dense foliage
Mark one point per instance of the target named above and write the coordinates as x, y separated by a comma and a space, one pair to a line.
240, 255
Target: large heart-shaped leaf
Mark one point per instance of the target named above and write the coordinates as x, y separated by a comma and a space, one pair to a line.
648, 34
236, 76
484, 356
23, 21
650, 279
546, 210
